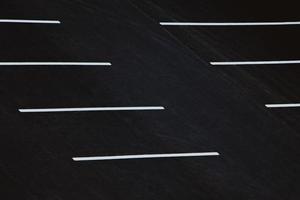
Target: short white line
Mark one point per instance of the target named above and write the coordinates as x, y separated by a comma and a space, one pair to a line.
145, 156
55, 64
90, 109
256, 62
291, 105
229, 23
21, 21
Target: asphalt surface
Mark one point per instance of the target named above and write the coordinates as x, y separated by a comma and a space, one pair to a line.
207, 108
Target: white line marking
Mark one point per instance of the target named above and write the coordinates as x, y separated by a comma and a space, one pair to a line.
229, 23
91, 109
29, 21
55, 63
145, 156
291, 105
256, 62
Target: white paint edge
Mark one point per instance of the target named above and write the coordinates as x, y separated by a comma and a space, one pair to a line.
291, 105
144, 156
55, 64
91, 109
24, 21
230, 23
281, 62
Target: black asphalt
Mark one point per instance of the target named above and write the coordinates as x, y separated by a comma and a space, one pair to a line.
207, 108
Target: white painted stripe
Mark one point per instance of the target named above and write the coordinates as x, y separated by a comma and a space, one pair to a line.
290, 105
55, 64
229, 23
92, 109
22, 21
145, 156
281, 62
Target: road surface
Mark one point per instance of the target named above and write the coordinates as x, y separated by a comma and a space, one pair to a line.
200, 107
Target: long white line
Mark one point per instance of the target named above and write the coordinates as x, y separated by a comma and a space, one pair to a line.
281, 62
145, 156
55, 64
22, 21
229, 23
90, 109
290, 105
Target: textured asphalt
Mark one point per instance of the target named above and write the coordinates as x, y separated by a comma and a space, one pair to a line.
207, 108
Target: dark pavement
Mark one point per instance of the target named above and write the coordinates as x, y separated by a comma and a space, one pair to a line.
207, 108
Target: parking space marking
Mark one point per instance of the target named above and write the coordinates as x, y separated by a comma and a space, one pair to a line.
92, 109
145, 156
